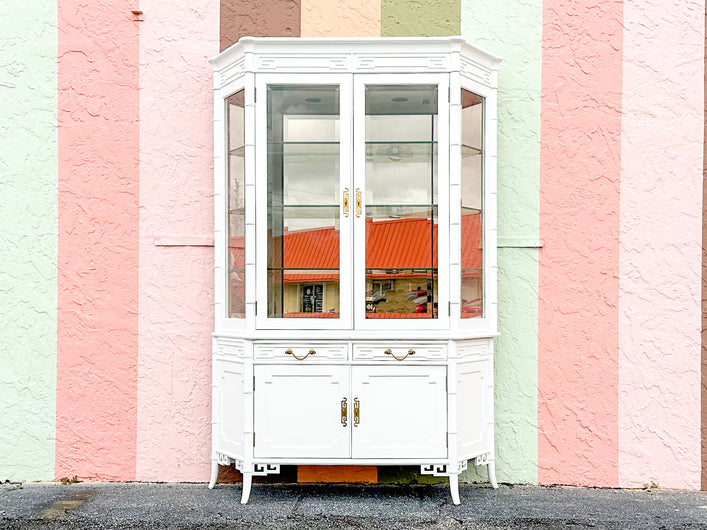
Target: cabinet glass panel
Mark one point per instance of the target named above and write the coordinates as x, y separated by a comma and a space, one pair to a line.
472, 205
401, 201
236, 204
303, 201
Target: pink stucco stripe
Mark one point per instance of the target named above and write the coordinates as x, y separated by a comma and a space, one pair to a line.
579, 224
98, 250
176, 240
660, 258
340, 18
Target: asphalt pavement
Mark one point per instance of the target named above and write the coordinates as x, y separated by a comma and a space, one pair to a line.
318, 506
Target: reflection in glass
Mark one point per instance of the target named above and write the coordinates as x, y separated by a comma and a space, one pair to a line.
471, 205
303, 201
401, 201
236, 204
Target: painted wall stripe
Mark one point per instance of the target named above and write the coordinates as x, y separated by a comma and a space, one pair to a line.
579, 224
28, 244
419, 18
341, 18
258, 18
98, 241
176, 200
704, 274
513, 31
659, 297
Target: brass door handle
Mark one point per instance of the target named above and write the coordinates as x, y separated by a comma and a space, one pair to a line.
344, 412
290, 352
346, 202
390, 352
357, 412
359, 202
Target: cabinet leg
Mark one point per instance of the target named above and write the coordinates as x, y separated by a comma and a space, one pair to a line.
491, 466
247, 483
454, 488
214, 474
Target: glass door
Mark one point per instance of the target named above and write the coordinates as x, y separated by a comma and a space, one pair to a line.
304, 230
401, 243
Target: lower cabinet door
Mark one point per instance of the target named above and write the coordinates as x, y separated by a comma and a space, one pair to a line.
228, 407
298, 411
402, 411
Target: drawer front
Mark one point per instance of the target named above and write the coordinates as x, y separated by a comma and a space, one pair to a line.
300, 352
475, 348
400, 352
230, 347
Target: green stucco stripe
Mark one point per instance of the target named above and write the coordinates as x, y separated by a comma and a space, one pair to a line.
513, 31
420, 18
28, 238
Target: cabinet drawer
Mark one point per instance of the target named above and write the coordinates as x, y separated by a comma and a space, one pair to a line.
228, 346
299, 352
400, 352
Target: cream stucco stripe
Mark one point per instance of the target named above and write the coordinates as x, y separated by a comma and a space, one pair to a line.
28, 239
660, 252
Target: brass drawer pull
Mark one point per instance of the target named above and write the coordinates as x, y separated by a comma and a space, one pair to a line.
357, 412
344, 412
359, 202
290, 352
346, 202
390, 352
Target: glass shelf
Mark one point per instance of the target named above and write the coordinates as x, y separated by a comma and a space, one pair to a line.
296, 149
401, 152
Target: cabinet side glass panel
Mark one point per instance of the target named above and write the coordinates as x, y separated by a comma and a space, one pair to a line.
472, 205
303, 201
235, 113
401, 200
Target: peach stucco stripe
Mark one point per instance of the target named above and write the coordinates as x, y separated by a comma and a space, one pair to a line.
176, 240
661, 223
341, 18
579, 224
98, 240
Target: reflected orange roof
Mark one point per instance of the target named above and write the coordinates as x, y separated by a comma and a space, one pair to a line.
399, 243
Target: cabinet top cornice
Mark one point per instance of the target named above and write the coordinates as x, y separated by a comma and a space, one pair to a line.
351, 55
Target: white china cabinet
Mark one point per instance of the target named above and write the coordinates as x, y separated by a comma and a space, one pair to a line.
355, 249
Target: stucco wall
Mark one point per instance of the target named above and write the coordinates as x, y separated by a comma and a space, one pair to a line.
97, 322
176, 239
513, 32
28, 239
340, 18
660, 249
106, 262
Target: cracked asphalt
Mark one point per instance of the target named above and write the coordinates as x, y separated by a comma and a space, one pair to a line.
317, 506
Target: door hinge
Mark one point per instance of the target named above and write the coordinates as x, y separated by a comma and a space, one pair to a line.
449, 94
253, 383
253, 439
447, 440
255, 95
449, 309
